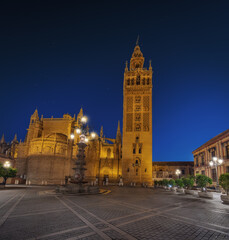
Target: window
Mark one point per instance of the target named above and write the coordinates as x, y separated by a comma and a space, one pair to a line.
143, 81
138, 80
147, 81
138, 108
132, 81
140, 148
108, 153
128, 81
227, 169
213, 153
145, 169
128, 169
137, 172
227, 152
137, 117
137, 99
183, 172
202, 160
134, 148
214, 175
137, 127
203, 172
196, 161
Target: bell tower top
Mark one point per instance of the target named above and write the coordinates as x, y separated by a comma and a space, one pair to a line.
137, 59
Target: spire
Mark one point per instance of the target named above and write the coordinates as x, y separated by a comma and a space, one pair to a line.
80, 115
15, 139
118, 134
35, 114
150, 67
137, 42
3, 139
101, 132
126, 68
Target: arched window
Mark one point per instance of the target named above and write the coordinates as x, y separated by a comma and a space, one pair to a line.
143, 81
108, 153
132, 81
147, 81
138, 80
128, 81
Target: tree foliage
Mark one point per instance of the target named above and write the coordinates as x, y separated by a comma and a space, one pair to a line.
6, 173
179, 183
224, 182
172, 182
188, 182
165, 182
202, 181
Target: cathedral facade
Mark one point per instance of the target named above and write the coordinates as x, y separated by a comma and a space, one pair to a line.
48, 154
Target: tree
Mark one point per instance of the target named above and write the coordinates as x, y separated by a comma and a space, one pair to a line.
202, 181
172, 182
224, 182
6, 173
179, 183
188, 182
165, 182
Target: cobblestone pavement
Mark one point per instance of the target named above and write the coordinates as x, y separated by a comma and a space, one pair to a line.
125, 213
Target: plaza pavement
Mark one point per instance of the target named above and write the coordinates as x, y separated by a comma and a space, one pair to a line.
124, 213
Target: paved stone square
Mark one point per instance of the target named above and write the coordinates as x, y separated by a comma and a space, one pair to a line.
124, 213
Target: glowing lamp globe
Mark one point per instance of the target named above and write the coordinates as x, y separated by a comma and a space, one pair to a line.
86, 140
6, 164
93, 135
78, 131
214, 159
211, 163
220, 161
84, 119
72, 136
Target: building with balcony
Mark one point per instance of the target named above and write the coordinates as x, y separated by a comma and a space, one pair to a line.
218, 147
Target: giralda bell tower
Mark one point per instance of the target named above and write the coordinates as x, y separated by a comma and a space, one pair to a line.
137, 121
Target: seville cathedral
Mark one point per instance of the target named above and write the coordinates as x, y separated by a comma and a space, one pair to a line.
48, 153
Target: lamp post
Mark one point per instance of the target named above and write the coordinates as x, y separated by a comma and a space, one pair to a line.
178, 172
215, 163
80, 162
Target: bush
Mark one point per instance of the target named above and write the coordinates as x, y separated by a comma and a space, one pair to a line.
202, 181
6, 173
160, 183
188, 182
165, 182
224, 182
172, 182
156, 183
179, 183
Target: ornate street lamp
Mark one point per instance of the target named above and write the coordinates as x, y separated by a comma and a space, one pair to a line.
178, 172
6, 164
215, 163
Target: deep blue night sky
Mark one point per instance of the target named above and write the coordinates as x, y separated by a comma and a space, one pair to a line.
59, 56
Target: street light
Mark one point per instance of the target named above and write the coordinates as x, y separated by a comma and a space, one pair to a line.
215, 163
72, 136
178, 172
7, 164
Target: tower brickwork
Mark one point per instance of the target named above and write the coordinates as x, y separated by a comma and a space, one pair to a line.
137, 121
